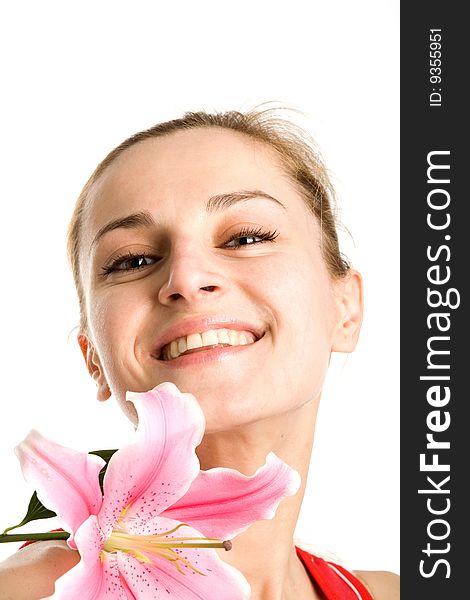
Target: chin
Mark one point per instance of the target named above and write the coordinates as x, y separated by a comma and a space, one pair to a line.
228, 409
129, 410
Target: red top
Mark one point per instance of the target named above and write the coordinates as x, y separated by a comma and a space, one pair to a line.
334, 581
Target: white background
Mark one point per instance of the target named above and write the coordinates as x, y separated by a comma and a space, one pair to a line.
80, 77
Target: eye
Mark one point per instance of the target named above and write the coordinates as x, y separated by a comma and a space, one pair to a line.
250, 236
128, 263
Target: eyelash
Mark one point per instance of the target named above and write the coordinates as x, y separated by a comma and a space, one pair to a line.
116, 263
245, 232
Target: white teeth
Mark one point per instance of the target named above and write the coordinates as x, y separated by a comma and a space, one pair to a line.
223, 336
212, 337
194, 340
209, 338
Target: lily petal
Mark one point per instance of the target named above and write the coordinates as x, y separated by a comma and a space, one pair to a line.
160, 579
222, 502
66, 481
147, 476
96, 576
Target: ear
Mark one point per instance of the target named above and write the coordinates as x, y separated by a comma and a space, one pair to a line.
350, 302
94, 367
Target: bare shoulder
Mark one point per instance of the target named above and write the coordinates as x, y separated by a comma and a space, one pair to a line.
30, 573
383, 585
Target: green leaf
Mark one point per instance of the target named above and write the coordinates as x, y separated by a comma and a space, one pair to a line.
37, 510
105, 455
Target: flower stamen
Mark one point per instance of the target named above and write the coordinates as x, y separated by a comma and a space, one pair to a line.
160, 544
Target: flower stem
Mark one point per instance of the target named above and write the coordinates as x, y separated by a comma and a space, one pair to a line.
32, 537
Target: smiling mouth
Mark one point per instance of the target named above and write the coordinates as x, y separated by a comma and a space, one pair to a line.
206, 340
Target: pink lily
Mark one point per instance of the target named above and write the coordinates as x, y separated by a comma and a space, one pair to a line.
152, 534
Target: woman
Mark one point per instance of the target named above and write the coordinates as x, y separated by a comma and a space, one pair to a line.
205, 253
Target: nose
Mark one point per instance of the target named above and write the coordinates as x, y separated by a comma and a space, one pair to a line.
191, 277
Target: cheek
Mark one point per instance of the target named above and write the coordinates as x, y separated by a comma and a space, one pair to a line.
302, 298
298, 295
116, 311
305, 317
115, 317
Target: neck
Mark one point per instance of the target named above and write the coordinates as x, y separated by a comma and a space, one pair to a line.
265, 552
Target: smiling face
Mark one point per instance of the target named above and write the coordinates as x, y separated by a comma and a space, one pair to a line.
201, 265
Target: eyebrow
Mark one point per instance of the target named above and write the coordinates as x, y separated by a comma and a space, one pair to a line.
223, 201
135, 221
216, 203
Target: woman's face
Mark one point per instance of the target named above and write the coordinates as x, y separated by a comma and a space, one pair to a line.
197, 238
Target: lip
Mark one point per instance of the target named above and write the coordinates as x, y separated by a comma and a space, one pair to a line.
206, 357
198, 325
